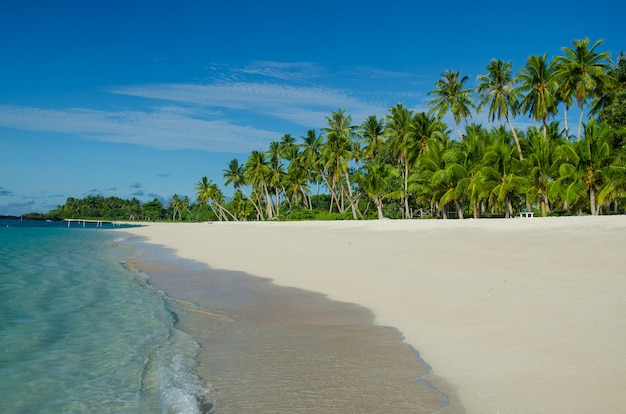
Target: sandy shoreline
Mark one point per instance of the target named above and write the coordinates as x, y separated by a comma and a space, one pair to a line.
519, 316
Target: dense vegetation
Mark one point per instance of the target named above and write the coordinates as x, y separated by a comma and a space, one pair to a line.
405, 164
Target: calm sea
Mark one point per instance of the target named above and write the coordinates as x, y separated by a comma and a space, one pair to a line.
81, 333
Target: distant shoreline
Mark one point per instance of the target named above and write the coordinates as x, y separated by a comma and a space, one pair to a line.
509, 312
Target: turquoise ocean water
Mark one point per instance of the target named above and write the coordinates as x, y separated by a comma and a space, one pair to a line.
81, 333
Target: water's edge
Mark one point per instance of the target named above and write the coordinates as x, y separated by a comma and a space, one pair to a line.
201, 297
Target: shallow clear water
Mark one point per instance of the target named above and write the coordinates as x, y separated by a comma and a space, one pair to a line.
79, 332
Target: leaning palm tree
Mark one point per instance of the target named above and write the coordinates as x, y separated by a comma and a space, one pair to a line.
538, 88
451, 95
496, 89
585, 71
207, 192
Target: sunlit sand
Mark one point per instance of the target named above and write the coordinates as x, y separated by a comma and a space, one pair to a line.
515, 316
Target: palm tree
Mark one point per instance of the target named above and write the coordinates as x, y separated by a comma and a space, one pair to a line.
287, 147
400, 132
310, 157
451, 96
372, 133
585, 72
257, 173
277, 173
502, 174
426, 128
586, 168
539, 89
542, 165
375, 181
496, 88
473, 149
337, 152
207, 192
235, 175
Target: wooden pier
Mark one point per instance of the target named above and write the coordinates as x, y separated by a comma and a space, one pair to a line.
84, 222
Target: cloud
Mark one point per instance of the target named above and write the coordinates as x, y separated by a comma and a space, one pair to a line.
283, 70
304, 106
136, 185
161, 128
5, 192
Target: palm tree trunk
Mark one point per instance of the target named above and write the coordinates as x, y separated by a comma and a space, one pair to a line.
350, 198
565, 108
592, 201
580, 121
379, 208
476, 209
459, 209
406, 189
519, 147
458, 128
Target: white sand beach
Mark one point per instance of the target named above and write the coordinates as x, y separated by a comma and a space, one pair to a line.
517, 316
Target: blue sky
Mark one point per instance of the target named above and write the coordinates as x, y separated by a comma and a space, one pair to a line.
144, 98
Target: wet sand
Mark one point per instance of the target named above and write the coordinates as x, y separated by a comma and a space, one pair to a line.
517, 316
271, 349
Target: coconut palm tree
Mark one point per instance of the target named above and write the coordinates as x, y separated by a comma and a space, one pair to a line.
235, 176
375, 180
542, 165
337, 153
400, 131
585, 72
373, 135
586, 168
452, 96
207, 192
538, 87
502, 174
257, 173
497, 89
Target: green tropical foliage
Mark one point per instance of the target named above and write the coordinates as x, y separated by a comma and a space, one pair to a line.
405, 163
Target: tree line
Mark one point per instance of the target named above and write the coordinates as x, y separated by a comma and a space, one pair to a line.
405, 164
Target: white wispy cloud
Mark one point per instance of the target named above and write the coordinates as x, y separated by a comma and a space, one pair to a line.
304, 106
284, 70
163, 129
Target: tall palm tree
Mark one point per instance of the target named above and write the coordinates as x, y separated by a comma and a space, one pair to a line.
287, 146
538, 86
400, 131
337, 152
451, 95
235, 176
310, 156
277, 173
497, 88
425, 128
585, 72
257, 173
372, 133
